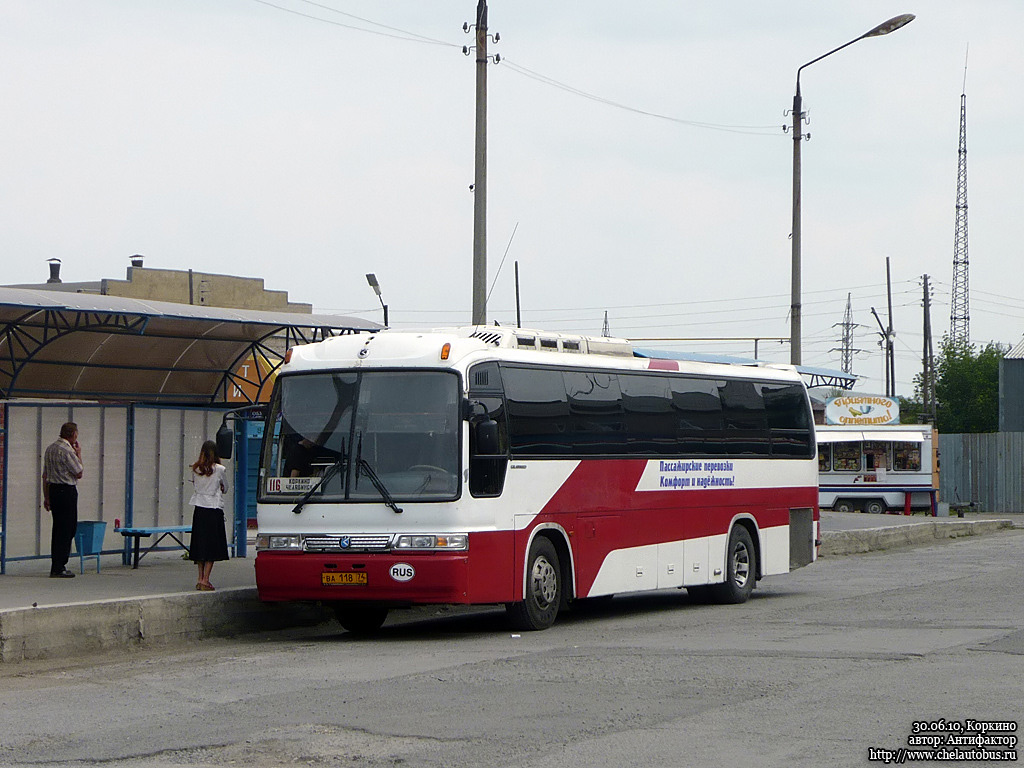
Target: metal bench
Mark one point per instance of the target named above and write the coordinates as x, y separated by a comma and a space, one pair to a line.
160, 531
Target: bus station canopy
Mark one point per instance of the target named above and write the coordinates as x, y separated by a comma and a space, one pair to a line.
57, 344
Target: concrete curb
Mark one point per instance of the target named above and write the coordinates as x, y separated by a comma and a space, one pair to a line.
75, 629
836, 543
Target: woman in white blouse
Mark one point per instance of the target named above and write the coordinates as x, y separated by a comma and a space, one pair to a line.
209, 540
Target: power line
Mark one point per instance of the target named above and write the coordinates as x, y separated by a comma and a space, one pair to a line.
413, 37
752, 130
410, 37
404, 32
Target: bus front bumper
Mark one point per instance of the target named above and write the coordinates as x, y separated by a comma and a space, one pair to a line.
398, 578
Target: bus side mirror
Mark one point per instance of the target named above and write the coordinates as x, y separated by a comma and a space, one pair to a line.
225, 440
472, 410
486, 440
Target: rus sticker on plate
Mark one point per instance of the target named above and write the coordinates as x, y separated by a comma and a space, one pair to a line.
290, 484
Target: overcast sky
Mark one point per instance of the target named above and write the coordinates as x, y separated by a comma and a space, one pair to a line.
237, 137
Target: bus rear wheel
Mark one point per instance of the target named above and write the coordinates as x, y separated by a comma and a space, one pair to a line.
543, 589
740, 569
843, 505
361, 618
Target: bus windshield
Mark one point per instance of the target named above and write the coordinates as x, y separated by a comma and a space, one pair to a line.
345, 427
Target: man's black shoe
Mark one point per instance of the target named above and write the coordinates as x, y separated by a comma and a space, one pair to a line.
65, 574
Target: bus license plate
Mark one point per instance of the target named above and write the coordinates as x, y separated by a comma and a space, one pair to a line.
343, 578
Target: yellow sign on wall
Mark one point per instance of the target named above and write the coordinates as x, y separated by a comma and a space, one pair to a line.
862, 410
252, 381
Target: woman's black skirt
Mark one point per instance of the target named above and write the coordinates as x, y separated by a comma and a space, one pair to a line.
209, 540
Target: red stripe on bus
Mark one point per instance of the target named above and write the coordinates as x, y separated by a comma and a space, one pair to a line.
663, 365
601, 511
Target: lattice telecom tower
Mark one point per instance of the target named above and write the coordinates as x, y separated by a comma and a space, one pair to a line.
846, 350
959, 309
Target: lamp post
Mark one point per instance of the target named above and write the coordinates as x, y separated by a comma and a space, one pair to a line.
795, 309
372, 280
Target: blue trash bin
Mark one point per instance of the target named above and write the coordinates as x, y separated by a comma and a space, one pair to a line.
89, 541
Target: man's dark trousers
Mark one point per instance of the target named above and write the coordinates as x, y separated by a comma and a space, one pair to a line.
64, 508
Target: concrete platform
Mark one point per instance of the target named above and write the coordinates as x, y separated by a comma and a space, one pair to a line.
855, 533
121, 607
156, 604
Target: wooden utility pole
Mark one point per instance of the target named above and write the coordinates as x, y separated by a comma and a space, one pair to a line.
890, 346
480, 174
884, 344
928, 360
887, 338
519, 314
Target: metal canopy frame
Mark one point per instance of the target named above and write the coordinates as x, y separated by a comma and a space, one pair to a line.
84, 346
820, 378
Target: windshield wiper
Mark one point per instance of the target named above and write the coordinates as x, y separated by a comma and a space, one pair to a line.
363, 468
330, 472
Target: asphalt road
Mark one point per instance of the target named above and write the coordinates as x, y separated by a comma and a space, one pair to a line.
820, 667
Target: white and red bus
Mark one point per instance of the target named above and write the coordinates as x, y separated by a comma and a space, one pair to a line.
495, 465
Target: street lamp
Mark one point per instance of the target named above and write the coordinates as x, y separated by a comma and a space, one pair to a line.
372, 280
794, 333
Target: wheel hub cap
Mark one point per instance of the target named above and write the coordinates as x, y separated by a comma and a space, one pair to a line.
740, 565
545, 582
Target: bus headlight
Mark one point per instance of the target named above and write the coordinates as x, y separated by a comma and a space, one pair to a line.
447, 541
274, 541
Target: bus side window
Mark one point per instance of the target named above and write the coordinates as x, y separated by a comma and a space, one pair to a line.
484, 385
746, 422
698, 420
596, 416
649, 416
538, 411
789, 419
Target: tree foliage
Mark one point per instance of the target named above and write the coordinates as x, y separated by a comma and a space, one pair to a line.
967, 387
911, 411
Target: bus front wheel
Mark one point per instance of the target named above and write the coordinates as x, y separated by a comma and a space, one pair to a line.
843, 505
543, 589
740, 569
361, 618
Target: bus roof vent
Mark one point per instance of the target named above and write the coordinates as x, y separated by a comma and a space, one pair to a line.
609, 346
549, 341
489, 337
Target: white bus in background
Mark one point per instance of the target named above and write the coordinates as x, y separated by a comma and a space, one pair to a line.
531, 469
878, 469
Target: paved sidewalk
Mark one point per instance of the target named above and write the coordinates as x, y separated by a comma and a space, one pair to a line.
121, 607
27, 582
